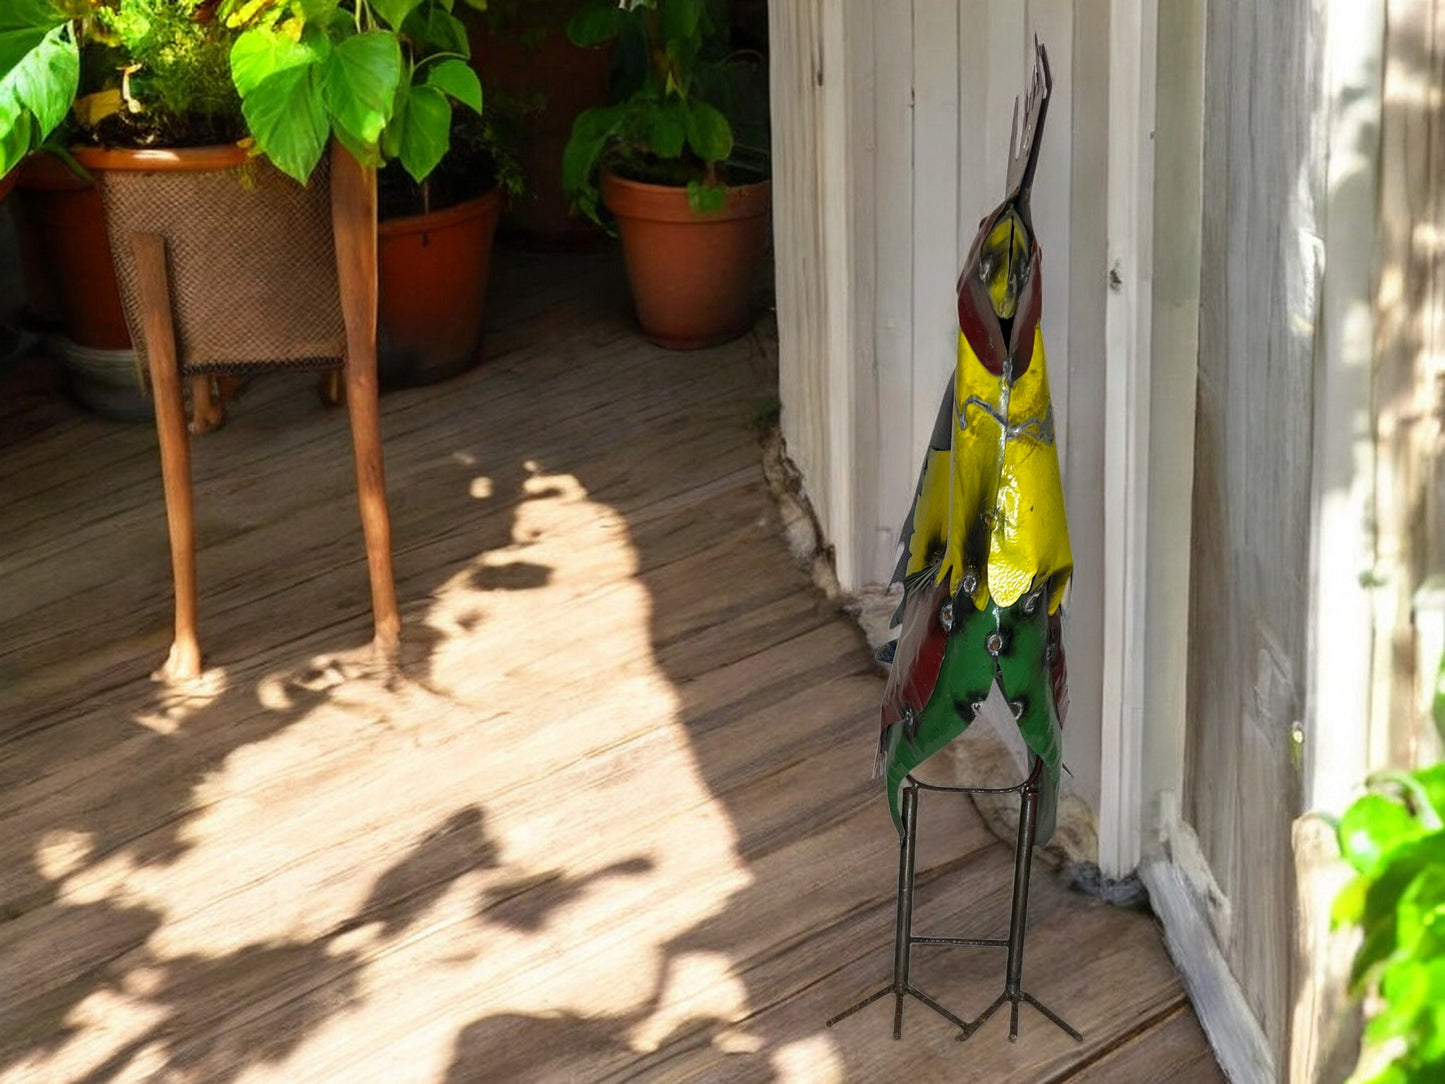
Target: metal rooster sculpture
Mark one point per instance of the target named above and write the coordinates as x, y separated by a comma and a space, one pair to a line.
985, 549
985, 561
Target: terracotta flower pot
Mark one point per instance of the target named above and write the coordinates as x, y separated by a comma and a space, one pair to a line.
692, 276
433, 271
65, 255
7, 182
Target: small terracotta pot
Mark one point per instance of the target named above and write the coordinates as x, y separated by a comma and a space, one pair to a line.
433, 271
7, 182
65, 255
692, 276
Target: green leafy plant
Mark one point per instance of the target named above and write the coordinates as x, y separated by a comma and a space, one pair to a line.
380, 76
674, 121
482, 155
1394, 838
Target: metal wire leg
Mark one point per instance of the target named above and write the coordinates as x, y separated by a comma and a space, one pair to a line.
903, 939
1013, 991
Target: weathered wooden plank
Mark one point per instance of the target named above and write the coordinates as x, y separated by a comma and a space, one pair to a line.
1174, 1047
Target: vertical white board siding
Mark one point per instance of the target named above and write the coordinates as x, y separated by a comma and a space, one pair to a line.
979, 181
793, 50
935, 227
819, 169
1178, 221
892, 254
862, 134
1052, 22
1127, 324
1079, 324
844, 364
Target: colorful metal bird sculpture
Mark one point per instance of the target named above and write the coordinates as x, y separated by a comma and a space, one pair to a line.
985, 555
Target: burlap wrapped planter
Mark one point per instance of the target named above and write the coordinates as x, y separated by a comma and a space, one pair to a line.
250, 253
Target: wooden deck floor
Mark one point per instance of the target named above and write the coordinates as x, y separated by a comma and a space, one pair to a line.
615, 820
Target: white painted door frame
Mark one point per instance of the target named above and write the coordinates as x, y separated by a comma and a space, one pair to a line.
1133, 37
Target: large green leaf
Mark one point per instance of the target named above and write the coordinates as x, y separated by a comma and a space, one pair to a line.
708, 132
287, 117
1379, 918
436, 30
16, 131
595, 24
427, 132
1420, 915
360, 83
394, 12
261, 53
23, 25
391, 135
45, 79
1371, 827
679, 19
1438, 704
592, 132
457, 78
667, 128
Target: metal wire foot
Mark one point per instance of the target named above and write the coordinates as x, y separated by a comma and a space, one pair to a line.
899, 993
1013, 1025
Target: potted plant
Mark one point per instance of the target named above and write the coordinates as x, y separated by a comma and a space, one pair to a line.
206, 118
434, 247
689, 197
226, 256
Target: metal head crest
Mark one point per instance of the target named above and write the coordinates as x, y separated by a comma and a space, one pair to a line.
1024, 146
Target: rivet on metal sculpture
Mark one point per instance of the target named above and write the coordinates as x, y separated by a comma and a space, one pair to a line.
984, 564
985, 549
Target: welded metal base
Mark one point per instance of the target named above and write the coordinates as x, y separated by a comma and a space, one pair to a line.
904, 940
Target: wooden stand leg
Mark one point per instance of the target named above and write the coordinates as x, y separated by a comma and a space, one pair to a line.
353, 216
207, 408
184, 661
331, 388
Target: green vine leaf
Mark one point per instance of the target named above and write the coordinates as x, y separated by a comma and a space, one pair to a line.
394, 12
1371, 827
361, 78
261, 53
708, 132
45, 79
458, 79
594, 25
287, 118
427, 132
1393, 836
706, 198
